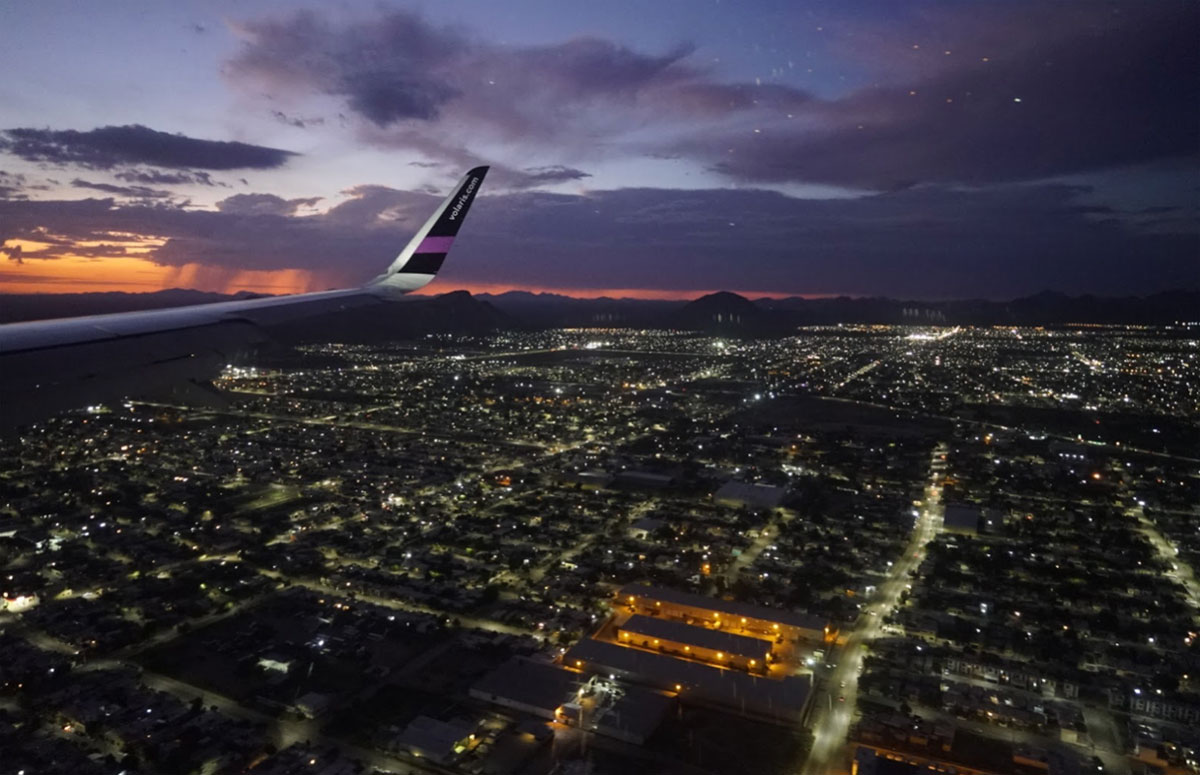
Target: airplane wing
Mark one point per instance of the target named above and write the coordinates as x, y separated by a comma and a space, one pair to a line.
50, 365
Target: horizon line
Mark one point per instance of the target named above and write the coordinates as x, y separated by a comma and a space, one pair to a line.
616, 294
492, 289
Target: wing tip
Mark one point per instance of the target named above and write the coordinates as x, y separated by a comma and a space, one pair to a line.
422, 257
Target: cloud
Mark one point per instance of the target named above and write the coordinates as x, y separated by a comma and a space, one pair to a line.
264, 204
163, 178
388, 74
415, 84
12, 185
537, 176
141, 192
505, 177
116, 146
921, 242
1122, 94
1098, 86
924, 241
296, 121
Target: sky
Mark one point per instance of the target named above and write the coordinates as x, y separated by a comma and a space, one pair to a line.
923, 150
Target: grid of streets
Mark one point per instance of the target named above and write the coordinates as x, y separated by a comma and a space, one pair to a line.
998, 527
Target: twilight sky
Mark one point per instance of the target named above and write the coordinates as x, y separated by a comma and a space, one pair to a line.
661, 149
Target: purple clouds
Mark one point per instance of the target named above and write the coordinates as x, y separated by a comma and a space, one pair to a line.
921, 242
117, 146
437, 90
1063, 91
982, 148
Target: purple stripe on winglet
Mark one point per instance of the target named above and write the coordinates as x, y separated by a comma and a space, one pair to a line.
435, 245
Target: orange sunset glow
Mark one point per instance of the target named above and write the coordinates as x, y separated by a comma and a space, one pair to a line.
77, 274
42, 269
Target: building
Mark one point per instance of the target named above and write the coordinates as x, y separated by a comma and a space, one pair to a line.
716, 646
531, 687
587, 480
644, 480
313, 704
1172, 707
750, 495
741, 618
870, 761
438, 741
628, 713
776, 700
962, 518
644, 528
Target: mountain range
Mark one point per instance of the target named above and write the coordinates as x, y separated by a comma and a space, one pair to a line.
723, 312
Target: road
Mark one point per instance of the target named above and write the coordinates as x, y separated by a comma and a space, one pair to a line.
830, 716
400, 605
1106, 739
858, 373
1182, 572
751, 553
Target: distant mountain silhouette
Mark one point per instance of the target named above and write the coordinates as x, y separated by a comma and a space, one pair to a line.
41, 306
549, 310
454, 312
723, 313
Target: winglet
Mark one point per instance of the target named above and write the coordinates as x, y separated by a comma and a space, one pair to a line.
422, 257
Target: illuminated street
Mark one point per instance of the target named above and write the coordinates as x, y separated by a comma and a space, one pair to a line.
834, 703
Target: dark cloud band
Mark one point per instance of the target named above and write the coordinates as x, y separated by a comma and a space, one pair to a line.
117, 146
920, 242
140, 192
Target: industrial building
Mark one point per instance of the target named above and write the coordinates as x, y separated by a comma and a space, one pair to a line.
741, 618
716, 646
777, 700
597, 703
438, 741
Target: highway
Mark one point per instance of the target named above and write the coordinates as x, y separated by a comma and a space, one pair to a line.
836, 692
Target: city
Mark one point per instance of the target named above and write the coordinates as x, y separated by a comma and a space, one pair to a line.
967, 548
776, 387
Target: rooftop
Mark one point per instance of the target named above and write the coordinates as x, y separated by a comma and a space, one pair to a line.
778, 698
725, 607
761, 495
716, 640
636, 712
536, 684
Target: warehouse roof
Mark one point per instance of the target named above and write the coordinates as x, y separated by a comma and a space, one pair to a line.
701, 637
779, 698
725, 607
